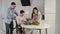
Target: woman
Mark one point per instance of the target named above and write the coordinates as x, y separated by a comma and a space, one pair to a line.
36, 16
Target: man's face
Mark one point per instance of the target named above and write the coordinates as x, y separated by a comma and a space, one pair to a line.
22, 14
13, 6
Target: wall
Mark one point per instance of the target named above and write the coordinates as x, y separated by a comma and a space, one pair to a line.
50, 11
57, 24
1, 24
39, 4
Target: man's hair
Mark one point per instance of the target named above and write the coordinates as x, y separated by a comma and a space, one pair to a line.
22, 11
13, 3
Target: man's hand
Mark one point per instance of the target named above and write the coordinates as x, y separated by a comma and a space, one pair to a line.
14, 17
22, 20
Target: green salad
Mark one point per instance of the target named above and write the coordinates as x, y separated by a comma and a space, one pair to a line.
35, 23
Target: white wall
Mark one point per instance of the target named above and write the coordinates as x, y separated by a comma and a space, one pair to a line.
1, 24
39, 4
57, 24
50, 11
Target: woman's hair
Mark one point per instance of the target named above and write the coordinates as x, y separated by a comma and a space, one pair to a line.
22, 11
35, 8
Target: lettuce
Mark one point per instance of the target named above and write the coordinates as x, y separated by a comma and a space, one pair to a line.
35, 23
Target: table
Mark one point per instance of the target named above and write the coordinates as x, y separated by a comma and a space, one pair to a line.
37, 27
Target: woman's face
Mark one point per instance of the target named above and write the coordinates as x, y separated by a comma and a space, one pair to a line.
35, 11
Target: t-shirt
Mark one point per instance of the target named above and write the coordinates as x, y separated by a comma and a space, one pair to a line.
37, 17
19, 20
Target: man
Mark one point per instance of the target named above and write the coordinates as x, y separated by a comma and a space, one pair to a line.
9, 18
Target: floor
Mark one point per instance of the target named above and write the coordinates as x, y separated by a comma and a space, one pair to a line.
14, 32
3, 32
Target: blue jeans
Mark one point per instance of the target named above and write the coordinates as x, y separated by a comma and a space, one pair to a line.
9, 28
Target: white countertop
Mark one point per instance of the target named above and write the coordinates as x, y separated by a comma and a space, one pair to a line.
41, 26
